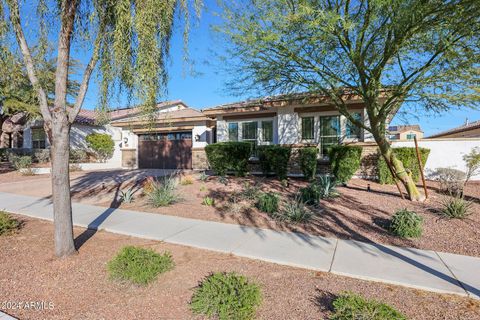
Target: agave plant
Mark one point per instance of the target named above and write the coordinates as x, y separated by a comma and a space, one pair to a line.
327, 187
126, 196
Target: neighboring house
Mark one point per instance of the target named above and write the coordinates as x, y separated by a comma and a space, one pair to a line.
467, 130
293, 120
404, 132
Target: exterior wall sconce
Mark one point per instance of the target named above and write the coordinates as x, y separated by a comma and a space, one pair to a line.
197, 137
125, 140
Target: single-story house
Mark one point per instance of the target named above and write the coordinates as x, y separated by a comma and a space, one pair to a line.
178, 134
466, 130
405, 132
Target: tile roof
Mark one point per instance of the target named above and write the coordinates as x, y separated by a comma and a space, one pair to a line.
89, 116
465, 127
166, 115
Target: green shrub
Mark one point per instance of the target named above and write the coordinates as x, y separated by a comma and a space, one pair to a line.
208, 201
229, 156
344, 161
274, 158
20, 162
294, 211
139, 265
102, 144
78, 155
163, 193
408, 157
456, 208
350, 306
8, 224
406, 224
226, 296
310, 194
308, 162
126, 196
3, 154
268, 202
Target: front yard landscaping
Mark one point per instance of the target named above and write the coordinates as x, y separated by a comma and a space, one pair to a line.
81, 287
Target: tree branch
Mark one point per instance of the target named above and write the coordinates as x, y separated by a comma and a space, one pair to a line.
73, 112
27, 57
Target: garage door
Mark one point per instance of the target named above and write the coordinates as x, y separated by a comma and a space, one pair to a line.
171, 150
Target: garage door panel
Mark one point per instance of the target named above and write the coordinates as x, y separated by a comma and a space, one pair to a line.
172, 151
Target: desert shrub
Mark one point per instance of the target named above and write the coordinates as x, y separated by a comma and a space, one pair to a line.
148, 184
456, 208
229, 156
327, 187
274, 158
408, 157
78, 155
350, 306
294, 211
126, 196
310, 194
268, 202
324, 187
101, 144
208, 201
163, 192
250, 191
451, 180
308, 162
406, 224
226, 296
139, 265
203, 176
41, 155
20, 162
3, 154
344, 161
8, 224
186, 180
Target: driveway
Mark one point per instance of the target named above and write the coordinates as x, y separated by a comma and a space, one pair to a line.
86, 186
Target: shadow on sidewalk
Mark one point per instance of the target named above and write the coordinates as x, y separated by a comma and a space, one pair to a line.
92, 228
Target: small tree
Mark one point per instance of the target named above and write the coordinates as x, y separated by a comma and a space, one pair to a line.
101, 144
472, 160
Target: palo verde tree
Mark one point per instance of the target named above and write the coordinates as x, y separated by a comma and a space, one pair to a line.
128, 40
389, 53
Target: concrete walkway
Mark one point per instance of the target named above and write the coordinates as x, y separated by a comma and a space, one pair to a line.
422, 269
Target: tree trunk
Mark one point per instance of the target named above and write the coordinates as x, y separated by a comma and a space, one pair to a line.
399, 170
59, 135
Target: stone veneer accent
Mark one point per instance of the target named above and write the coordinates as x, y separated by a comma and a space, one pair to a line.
199, 159
129, 158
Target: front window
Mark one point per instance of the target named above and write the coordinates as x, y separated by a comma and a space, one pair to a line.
307, 128
354, 131
267, 131
249, 131
329, 133
233, 131
411, 136
38, 139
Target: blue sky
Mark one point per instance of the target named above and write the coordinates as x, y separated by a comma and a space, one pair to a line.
206, 86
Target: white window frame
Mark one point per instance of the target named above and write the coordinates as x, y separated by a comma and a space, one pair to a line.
259, 121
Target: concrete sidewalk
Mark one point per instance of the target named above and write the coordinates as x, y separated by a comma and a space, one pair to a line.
422, 269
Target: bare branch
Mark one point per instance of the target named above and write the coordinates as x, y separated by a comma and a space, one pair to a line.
27, 57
